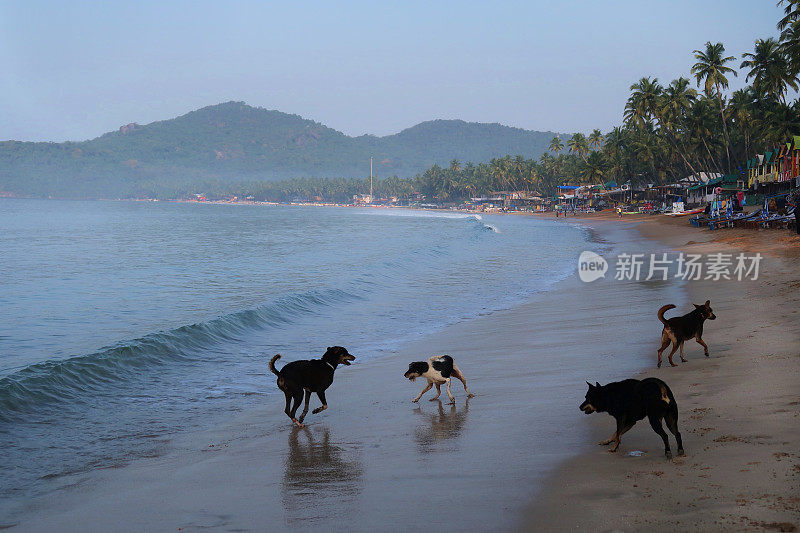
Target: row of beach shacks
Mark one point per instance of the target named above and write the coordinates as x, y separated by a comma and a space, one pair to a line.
776, 169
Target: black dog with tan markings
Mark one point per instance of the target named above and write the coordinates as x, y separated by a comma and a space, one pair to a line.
680, 329
632, 400
308, 376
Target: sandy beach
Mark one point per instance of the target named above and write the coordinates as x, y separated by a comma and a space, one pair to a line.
374, 460
739, 411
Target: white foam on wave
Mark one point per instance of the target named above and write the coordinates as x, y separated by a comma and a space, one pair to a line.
428, 214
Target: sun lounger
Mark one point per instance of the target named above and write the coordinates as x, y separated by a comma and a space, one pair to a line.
732, 220
740, 222
775, 220
778, 221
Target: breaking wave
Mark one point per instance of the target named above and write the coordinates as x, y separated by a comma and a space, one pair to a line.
76, 378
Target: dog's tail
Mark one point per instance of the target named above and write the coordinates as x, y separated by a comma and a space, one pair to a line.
272, 364
664, 310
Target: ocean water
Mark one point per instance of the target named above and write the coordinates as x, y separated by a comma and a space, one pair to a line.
125, 323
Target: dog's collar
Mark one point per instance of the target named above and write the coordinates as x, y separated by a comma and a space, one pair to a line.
330, 365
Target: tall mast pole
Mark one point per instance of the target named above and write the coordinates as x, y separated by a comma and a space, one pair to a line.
370, 180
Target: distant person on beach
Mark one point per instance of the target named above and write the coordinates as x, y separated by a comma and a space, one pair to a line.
794, 199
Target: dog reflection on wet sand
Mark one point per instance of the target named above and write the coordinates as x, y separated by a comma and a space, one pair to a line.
320, 471
441, 425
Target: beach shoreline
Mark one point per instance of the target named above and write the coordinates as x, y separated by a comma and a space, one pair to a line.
739, 410
368, 458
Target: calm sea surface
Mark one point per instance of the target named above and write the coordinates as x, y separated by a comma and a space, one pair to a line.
124, 323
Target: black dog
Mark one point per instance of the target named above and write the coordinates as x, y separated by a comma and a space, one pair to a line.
630, 401
314, 375
680, 329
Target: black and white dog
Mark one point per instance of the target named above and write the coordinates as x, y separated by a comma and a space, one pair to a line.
436, 370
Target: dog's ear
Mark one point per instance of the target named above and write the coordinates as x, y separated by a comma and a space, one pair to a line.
708, 304
697, 306
590, 385
598, 384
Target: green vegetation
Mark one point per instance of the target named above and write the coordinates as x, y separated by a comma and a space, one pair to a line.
233, 143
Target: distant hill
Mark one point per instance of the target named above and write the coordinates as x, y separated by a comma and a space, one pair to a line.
237, 142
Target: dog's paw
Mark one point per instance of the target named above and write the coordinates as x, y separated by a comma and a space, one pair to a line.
433, 399
612, 450
707, 355
658, 365
470, 395
672, 364
681, 453
416, 400
668, 455
316, 411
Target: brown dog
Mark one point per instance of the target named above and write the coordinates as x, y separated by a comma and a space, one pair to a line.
680, 329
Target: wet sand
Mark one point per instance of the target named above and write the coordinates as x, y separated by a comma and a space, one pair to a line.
739, 409
374, 460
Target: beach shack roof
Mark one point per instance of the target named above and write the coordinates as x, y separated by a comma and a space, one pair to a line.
722, 181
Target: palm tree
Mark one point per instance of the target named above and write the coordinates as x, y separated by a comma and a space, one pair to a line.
711, 68
783, 122
596, 139
741, 113
790, 35
642, 104
593, 170
769, 68
556, 145
672, 108
579, 145
700, 122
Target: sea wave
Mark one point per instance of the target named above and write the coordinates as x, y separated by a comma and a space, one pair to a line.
76, 378
411, 213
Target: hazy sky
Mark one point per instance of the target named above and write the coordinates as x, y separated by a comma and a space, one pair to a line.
74, 70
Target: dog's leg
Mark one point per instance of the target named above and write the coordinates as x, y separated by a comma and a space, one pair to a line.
609, 440
655, 422
682, 358
324, 405
298, 398
438, 392
664, 343
622, 427
288, 409
671, 418
460, 375
701, 343
672, 352
305, 407
450, 394
426, 389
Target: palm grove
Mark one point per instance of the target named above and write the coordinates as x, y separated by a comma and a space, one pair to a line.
669, 131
